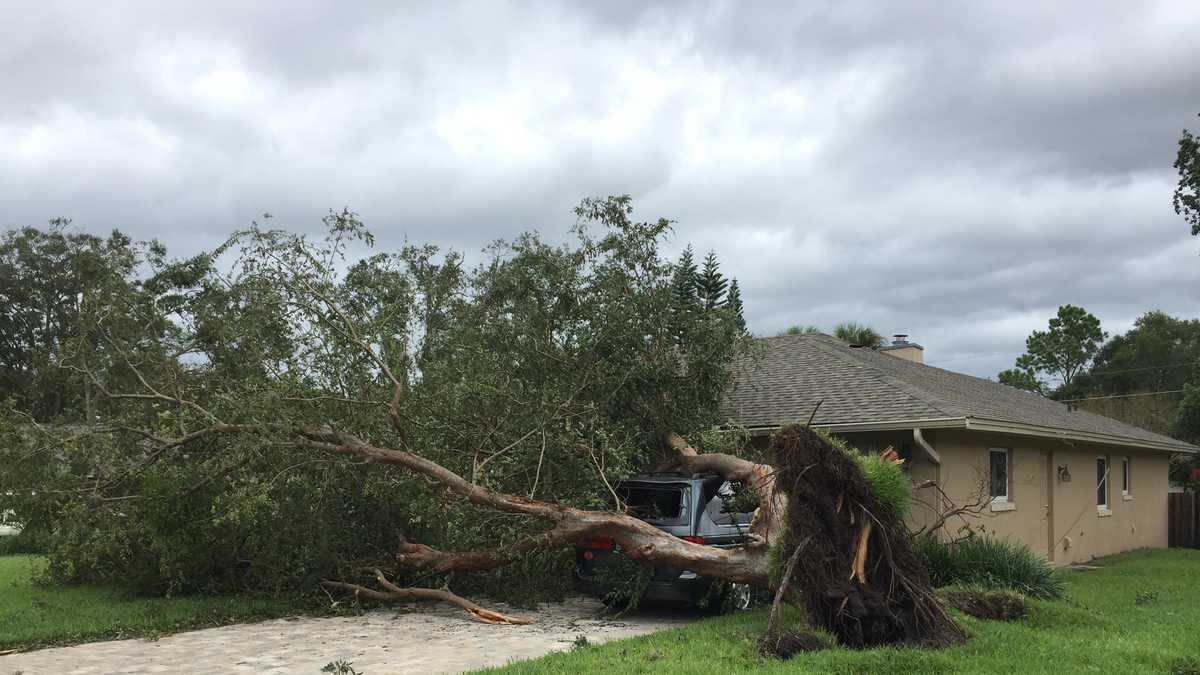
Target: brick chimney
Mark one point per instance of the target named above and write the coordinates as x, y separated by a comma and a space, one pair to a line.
901, 348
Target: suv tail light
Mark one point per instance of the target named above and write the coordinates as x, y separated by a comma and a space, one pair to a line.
694, 540
599, 543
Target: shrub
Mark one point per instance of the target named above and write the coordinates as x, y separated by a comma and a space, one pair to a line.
991, 564
25, 541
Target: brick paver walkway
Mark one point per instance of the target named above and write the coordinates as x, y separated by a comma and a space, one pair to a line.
424, 640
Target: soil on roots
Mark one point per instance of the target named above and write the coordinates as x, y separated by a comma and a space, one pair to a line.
887, 599
789, 644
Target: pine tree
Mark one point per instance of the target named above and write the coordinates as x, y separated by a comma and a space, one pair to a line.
685, 280
711, 284
733, 302
683, 287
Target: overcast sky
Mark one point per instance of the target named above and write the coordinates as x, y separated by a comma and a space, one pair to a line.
951, 174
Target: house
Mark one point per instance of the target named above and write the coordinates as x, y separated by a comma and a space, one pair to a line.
1069, 484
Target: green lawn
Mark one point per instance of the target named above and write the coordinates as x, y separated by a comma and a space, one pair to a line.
32, 615
1140, 614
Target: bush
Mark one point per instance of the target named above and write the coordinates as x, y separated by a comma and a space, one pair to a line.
991, 564
25, 541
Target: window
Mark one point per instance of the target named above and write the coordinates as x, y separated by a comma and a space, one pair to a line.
1102, 482
998, 474
723, 508
1126, 479
655, 503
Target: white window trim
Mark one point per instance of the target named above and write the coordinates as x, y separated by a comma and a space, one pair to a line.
1104, 509
1001, 499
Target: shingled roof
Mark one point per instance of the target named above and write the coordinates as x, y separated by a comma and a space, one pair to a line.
863, 389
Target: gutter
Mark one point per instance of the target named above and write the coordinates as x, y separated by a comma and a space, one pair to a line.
1021, 429
928, 423
993, 426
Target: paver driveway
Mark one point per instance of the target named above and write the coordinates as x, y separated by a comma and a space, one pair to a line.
424, 640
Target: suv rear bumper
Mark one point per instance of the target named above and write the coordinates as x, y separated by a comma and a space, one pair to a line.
682, 591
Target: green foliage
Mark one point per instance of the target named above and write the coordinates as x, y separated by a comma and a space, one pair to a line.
991, 564
797, 329
1186, 424
340, 667
1023, 376
1136, 376
858, 334
889, 483
539, 372
711, 284
733, 302
1159, 353
24, 542
1063, 351
1187, 194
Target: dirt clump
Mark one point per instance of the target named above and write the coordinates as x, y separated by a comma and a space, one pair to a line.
989, 605
789, 644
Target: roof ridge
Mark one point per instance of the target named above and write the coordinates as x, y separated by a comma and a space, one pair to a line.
918, 393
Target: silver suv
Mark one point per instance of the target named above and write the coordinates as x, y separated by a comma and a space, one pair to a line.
697, 508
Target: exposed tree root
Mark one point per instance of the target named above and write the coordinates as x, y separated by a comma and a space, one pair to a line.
859, 576
394, 593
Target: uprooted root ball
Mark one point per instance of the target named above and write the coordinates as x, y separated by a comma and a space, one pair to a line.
858, 574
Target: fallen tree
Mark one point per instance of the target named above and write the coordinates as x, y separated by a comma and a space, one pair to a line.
479, 419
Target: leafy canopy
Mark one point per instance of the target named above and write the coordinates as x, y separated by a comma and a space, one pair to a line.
547, 371
860, 334
1187, 193
1063, 351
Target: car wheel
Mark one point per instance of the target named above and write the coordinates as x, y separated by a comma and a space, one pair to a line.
740, 597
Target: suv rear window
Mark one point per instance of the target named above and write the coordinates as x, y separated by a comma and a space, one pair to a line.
654, 503
725, 498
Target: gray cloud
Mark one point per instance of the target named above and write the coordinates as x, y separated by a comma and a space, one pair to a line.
955, 175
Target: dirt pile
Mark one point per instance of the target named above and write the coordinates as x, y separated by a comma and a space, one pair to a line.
990, 605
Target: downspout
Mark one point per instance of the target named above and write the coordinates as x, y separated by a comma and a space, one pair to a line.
937, 466
924, 445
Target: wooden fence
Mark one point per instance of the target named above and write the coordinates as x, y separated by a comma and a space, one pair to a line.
1183, 520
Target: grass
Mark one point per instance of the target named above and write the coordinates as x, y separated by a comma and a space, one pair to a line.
35, 616
1137, 614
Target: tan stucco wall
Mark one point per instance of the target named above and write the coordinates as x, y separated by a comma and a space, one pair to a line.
1063, 522
1053, 518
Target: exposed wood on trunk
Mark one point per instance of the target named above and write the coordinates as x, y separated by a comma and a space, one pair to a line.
639, 540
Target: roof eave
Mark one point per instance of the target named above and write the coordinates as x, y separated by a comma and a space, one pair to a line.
994, 426
1022, 429
891, 425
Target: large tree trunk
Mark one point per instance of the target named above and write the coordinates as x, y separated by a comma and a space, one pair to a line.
639, 540
856, 572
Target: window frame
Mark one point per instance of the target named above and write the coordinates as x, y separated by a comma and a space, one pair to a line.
1126, 477
1104, 483
1005, 498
